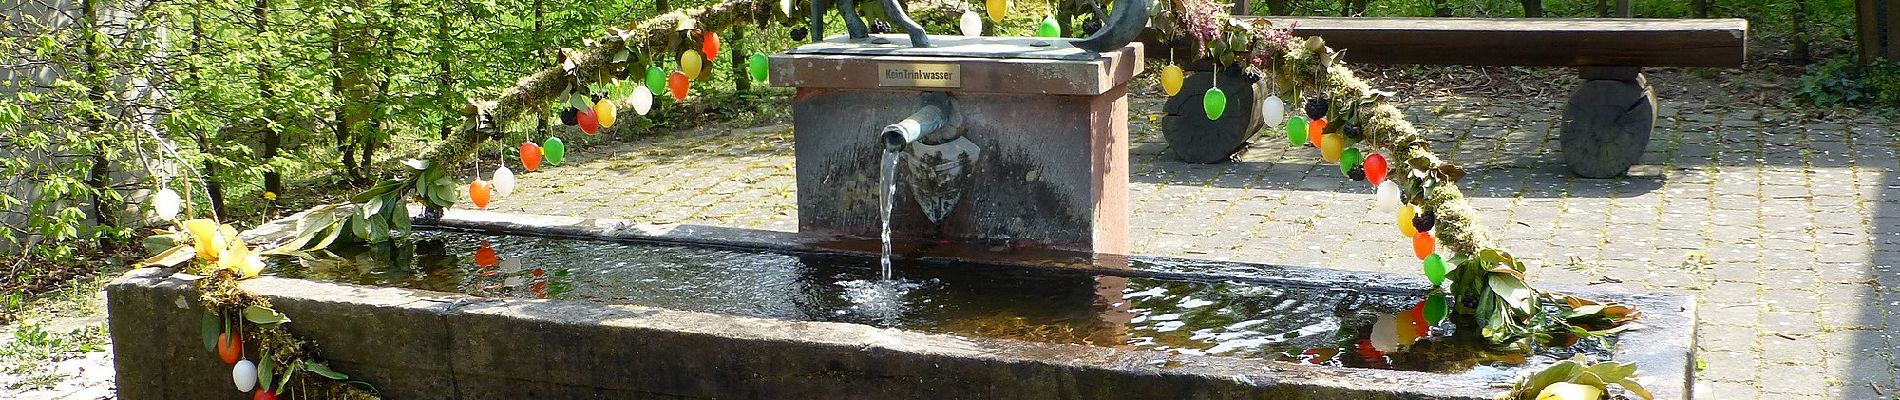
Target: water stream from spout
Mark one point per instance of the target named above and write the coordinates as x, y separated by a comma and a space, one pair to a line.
887, 183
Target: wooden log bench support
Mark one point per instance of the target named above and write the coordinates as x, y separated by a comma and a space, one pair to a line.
1608, 120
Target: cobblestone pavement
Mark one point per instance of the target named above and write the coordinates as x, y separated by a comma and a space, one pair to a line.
1787, 228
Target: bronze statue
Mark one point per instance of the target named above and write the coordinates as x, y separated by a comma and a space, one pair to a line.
1124, 23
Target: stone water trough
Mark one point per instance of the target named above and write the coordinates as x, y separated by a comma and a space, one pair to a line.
419, 344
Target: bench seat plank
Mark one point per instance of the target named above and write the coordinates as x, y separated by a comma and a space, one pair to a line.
1529, 41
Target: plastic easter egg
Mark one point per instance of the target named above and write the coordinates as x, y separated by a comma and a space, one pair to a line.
1332, 146
998, 9
478, 192
1423, 244
759, 66
1406, 212
1049, 28
642, 100
1435, 271
244, 375
554, 150
229, 346
1435, 305
1171, 79
1316, 130
587, 121
656, 79
1273, 110
1214, 103
1348, 159
530, 156
604, 113
971, 24
264, 395
677, 83
503, 182
1296, 130
1569, 391
1407, 327
1388, 195
165, 204
690, 62
1375, 168
709, 44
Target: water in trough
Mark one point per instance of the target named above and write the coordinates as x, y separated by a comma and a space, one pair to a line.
1138, 310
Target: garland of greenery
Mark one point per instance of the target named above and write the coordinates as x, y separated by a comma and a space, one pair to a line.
1487, 281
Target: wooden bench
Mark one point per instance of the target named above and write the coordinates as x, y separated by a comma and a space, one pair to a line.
1608, 120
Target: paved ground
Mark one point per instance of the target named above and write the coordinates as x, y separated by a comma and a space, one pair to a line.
1787, 227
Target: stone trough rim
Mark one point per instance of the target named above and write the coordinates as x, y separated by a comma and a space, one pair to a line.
1675, 337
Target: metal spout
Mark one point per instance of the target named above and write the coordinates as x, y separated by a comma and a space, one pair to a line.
932, 115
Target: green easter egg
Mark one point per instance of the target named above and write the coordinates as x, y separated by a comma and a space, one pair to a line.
757, 64
553, 150
1348, 160
1215, 103
656, 79
1435, 269
1048, 28
1434, 309
1296, 130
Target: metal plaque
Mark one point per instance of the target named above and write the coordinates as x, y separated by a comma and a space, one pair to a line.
920, 75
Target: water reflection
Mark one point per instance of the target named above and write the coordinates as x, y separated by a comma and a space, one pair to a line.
1338, 327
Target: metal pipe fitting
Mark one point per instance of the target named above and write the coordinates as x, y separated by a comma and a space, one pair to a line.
932, 115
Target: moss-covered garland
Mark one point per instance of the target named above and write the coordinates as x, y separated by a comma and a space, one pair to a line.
219, 294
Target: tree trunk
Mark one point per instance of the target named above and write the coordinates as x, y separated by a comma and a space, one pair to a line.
339, 124
1533, 8
742, 77
1801, 32
445, 72
99, 176
214, 188
273, 180
1276, 7
1699, 8
541, 50
1441, 8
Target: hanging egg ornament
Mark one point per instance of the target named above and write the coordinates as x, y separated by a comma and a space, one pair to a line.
677, 83
1375, 168
478, 192
1316, 107
554, 150
588, 122
1296, 130
709, 44
504, 182
1348, 160
690, 62
642, 100
1388, 195
1425, 220
759, 66
1332, 146
1435, 272
1214, 103
1423, 244
998, 9
1316, 131
1049, 28
1406, 212
229, 347
1273, 110
264, 395
244, 375
165, 204
971, 24
1435, 305
530, 156
605, 113
570, 116
1171, 79
656, 79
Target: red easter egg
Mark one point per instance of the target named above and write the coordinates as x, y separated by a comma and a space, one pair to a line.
1423, 244
229, 348
264, 395
478, 193
588, 122
530, 156
677, 82
1375, 168
1315, 130
709, 45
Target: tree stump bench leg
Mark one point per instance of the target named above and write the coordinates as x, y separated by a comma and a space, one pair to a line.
1608, 121
1193, 138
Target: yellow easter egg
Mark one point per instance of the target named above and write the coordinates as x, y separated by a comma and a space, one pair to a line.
1406, 212
604, 112
1171, 79
690, 62
998, 9
1332, 146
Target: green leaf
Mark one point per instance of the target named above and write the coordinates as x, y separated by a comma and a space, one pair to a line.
265, 367
1512, 290
290, 370
209, 331
415, 164
324, 370
580, 101
264, 316
365, 386
1636, 388
380, 189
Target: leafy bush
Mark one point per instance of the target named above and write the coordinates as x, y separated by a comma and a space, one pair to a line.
1842, 81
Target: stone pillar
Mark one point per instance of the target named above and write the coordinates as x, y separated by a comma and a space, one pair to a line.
1048, 125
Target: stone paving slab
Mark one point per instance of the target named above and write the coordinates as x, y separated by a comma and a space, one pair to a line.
1788, 228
